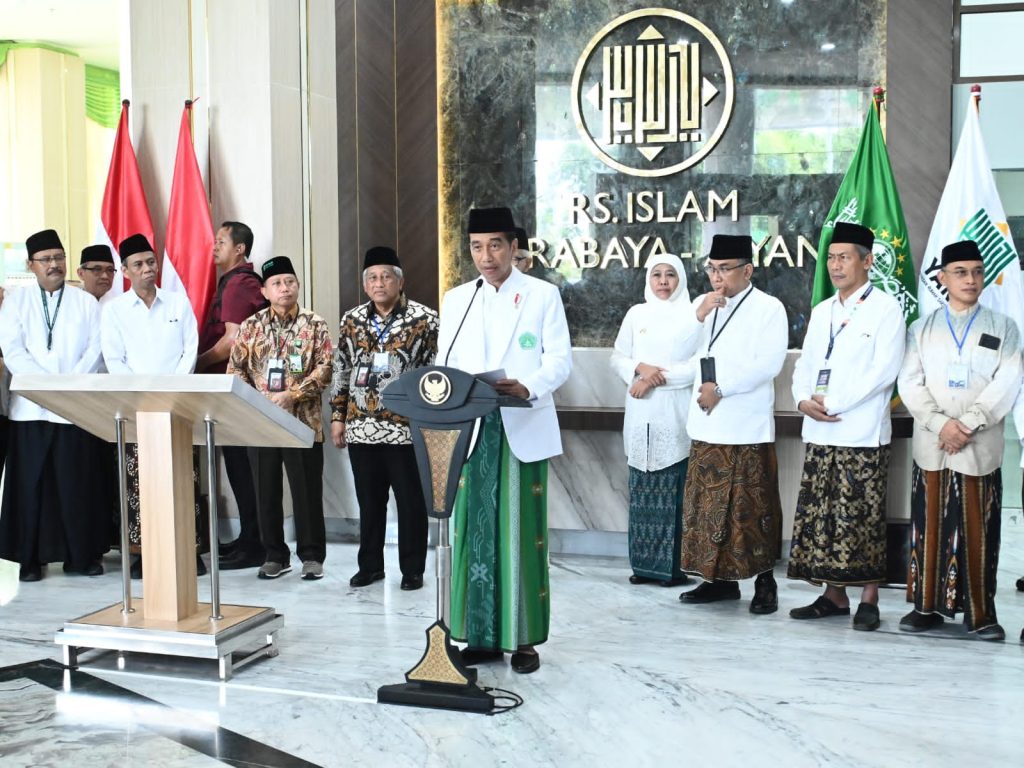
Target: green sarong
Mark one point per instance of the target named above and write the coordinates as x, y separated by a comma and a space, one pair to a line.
500, 547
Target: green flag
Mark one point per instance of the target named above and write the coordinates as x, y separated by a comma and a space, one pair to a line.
868, 197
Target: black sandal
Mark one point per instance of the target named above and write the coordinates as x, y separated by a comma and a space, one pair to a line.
819, 609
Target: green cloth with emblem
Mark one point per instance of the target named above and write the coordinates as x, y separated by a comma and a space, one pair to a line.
500, 547
868, 196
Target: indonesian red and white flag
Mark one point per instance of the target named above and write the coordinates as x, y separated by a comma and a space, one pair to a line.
188, 246
124, 212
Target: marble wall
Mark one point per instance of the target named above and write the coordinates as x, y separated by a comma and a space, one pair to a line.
508, 136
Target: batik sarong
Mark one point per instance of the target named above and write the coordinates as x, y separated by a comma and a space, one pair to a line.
839, 534
732, 517
954, 544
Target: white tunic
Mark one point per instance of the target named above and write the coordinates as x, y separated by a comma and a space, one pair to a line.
749, 354
664, 333
162, 338
76, 339
992, 383
521, 328
866, 358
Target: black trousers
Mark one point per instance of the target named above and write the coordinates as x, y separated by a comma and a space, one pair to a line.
243, 486
305, 468
376, 469
50, 511
4, 428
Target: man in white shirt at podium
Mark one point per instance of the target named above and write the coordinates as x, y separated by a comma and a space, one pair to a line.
147, 331
500, 602
49, 511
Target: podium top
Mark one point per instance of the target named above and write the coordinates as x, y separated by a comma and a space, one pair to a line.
93, 401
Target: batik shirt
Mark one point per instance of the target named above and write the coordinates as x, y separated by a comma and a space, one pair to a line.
408, 336
266, 336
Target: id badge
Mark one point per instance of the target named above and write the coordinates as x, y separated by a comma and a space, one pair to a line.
295, 363
275, 375
380, 362
362, 375
707, 370
957, 376
821, 388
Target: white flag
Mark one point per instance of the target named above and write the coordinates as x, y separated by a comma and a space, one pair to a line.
970, 209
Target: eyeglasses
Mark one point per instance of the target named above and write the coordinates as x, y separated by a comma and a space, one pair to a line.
961, 274
843, 258
518, 259
713, 270
50, 259
100, 270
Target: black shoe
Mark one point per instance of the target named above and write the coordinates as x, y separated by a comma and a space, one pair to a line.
228, 548
821, 608
136, 566
30, 573
915, 621
1020, 584
200, 566
679, 581
240, 560
766, 595
867, 618
411, 583
473, 656
634, 579
712, 592
92, 569
525, 663
992, 633
365, 579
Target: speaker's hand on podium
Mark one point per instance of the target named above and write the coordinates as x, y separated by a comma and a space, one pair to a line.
282, 400
511, 387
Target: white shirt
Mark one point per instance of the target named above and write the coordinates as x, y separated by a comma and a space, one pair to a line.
993, 380
23, 333
865, 361
749, 354
162, 338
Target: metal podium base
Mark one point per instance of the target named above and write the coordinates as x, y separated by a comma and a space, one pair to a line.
439, 680
244, 634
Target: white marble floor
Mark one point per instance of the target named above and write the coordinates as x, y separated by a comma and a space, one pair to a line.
629, 677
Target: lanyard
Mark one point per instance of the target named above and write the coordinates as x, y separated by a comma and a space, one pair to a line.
962, 340
46, 314
279, 344
382, 334
714, 320
833, 335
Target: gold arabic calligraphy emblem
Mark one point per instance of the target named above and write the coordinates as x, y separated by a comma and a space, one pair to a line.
435, 387
652, 108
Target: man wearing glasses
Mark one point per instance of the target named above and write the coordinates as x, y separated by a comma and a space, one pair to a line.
96, 271
521, 258
731, 509
49, 511
842, 383
961, 374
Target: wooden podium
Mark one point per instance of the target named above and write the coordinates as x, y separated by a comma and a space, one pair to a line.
166, 416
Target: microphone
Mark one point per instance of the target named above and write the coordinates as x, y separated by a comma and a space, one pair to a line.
479, 282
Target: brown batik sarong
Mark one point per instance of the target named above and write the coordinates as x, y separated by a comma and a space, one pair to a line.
839, 534
731, 511
954, 544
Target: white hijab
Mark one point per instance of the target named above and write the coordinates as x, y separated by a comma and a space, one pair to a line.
680, 292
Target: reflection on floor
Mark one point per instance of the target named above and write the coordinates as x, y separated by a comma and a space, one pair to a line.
629, 677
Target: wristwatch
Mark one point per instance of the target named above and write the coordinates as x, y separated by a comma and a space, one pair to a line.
718, 392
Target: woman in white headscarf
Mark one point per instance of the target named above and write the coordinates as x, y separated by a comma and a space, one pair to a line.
655, 356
